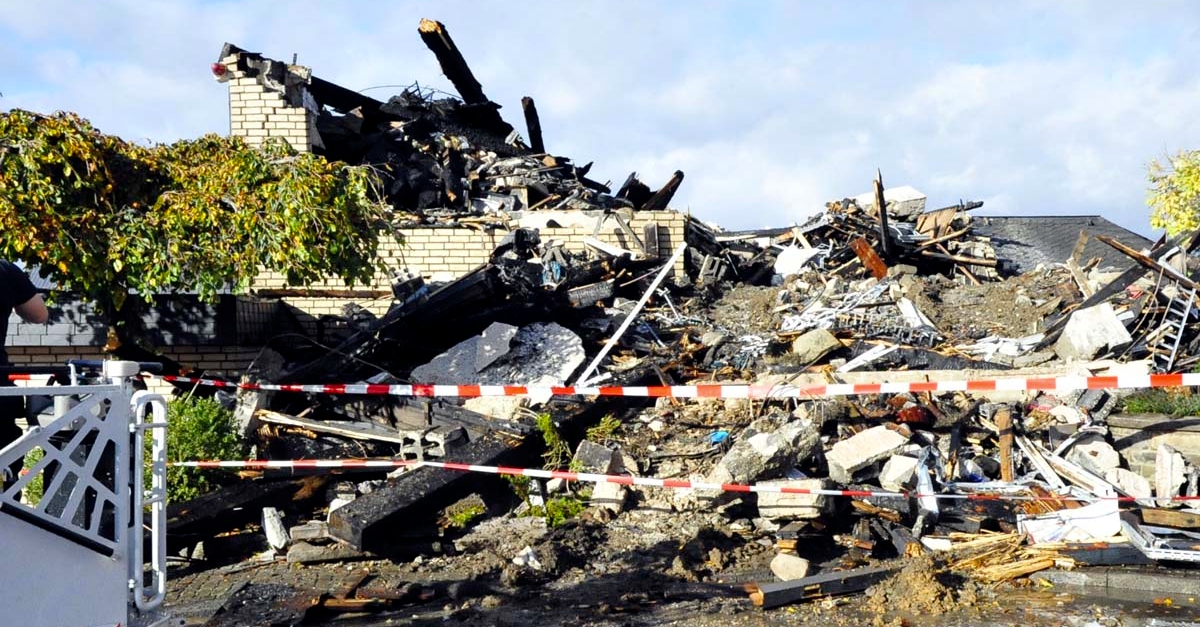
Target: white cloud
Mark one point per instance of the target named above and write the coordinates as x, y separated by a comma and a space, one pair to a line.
771, 110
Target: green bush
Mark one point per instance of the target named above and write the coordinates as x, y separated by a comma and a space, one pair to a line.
1176, 402
198, 429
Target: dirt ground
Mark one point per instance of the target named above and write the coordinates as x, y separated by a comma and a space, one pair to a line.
645, 567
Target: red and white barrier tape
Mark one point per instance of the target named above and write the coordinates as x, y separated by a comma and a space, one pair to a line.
716, 390
682, 484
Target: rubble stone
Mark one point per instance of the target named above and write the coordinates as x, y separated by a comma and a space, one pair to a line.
753, 457
788, 567
310, 531
1095, 454
814, 345
897, 472
1090, 332
1170, 472
1129, 482
862, 450
277, 534
609, 496
594, 458
778, 505
305, 553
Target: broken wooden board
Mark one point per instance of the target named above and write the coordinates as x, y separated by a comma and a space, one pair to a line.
1170, 518
826, 584
355, 430
869, 258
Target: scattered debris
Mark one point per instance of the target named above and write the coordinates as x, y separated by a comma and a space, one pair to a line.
874, 289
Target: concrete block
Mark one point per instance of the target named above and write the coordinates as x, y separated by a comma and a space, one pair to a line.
609, 496
778, 505
1090, 332
311, 531
1095, 454
1170, 473
594, 458
277, 534
897, 472
1129, 482
862, 450
789, 567
814, 345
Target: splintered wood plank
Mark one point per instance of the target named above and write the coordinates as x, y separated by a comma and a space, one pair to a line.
869, 258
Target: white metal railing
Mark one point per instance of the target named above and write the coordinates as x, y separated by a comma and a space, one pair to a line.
94, 497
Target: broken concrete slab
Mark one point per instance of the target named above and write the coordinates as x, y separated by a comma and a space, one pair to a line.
788, 567
814, 345
898, 472
1130, 483
538, 353
493, 343
1170, 473
788, 505
311, 531
1094, 453
1091, 332
272, 523
609, 496
862, 450
306, 553
761, 453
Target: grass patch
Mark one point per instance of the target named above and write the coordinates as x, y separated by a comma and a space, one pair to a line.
604, 430
558, 452
558, 510
1176, 402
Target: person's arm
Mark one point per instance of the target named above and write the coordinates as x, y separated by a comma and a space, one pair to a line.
33, 310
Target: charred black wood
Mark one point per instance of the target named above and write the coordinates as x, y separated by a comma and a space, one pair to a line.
635, 191
454, 66
885, 238
367, 522
826, 584
662, 198
533, 125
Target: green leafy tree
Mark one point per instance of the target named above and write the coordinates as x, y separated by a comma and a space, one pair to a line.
1174, 197
115, 221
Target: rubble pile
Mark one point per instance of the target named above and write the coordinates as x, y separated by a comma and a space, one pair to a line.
990, 483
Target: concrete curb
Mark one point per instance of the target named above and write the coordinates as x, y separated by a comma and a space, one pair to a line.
1176, 584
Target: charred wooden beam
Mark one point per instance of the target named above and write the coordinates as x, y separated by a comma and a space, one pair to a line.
885, 238
662, 197
827, 584
368, 523
454, 66
533, 125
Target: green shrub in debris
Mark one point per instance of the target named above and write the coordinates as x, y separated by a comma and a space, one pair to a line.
558, 510
198, 428
604, 430
558, 452
460, 517
1171, 401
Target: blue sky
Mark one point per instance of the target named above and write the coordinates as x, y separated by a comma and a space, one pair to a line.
771, 108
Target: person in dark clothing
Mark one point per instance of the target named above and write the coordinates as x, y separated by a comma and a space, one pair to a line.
17, 295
